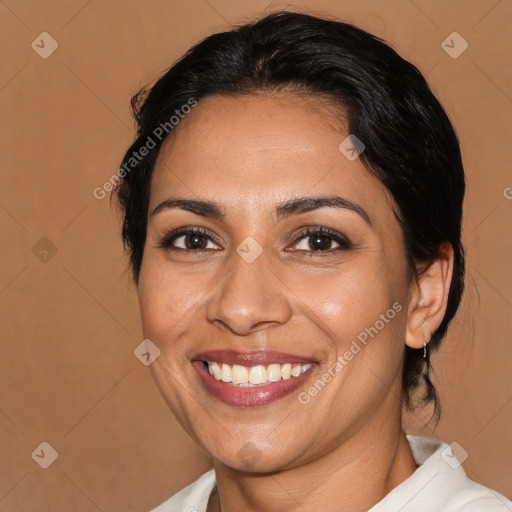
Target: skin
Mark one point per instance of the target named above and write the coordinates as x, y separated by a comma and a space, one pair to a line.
345, 449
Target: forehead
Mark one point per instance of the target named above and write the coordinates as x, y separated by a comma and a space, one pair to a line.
263, 149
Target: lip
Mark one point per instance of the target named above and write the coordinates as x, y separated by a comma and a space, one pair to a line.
250, 396
249, 359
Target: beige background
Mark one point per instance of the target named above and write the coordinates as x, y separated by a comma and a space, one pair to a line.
69, 319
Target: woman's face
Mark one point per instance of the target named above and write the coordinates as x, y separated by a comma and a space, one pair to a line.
293, 258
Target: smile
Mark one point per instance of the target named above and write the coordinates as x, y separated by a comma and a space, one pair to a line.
251, 379
237, 375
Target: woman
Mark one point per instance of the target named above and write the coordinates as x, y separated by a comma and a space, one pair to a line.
292, 208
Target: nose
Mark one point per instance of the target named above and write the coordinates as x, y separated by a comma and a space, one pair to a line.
250, 297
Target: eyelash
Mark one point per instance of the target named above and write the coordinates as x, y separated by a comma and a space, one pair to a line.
166, 242
343, 241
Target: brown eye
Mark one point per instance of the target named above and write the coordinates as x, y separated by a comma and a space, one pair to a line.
195, 241
189, 239
322, 240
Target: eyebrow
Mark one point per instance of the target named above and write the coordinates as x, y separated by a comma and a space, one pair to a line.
286, 209
307, 204
203, 208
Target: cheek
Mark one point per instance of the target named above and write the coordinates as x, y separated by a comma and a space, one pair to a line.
167, 301
349, 300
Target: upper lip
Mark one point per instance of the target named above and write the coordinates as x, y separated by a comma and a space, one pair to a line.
250, 358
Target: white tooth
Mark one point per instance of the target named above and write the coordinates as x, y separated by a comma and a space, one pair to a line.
240, 375
273, 372
210, 370
225, 375
306, 367
216, 371
258, 374
296, 370
286, 371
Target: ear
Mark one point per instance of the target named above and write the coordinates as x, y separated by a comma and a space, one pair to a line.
429, 298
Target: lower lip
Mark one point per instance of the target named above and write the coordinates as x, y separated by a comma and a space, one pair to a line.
249, 396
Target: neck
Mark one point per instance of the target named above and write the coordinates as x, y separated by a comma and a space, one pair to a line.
353, 477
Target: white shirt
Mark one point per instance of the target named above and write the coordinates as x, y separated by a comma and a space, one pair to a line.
439, 484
